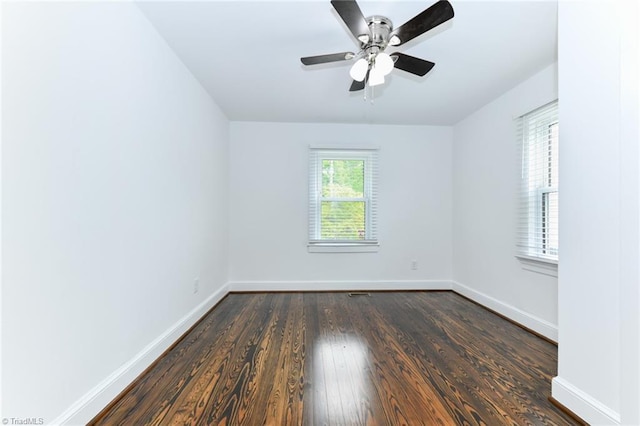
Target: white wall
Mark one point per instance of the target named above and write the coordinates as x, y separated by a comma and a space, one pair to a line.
114, 196
485, 196
599, 359
269, 204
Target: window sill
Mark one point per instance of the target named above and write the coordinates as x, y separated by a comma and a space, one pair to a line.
342, 248
539, 265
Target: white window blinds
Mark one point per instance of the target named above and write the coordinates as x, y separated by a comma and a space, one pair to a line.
342, 196
537, 233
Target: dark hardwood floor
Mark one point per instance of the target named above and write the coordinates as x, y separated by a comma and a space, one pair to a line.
405, 358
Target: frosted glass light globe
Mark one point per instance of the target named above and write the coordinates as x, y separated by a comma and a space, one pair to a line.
383, 63
359, 70
376, 77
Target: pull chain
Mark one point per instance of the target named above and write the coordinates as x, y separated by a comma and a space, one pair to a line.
369, 89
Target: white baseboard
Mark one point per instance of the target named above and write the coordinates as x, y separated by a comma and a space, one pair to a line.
591, 410
399, 285
89, 405
543, 327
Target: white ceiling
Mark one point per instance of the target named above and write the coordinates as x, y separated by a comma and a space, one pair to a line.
247, 55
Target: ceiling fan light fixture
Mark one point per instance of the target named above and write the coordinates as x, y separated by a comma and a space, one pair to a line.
359, 70
376, 77
383, 63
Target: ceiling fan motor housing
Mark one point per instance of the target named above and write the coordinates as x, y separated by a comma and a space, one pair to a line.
380, 28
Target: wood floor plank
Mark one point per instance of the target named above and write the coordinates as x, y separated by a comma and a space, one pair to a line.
315, 390
284, 404
391, 358
343, 391
370, 404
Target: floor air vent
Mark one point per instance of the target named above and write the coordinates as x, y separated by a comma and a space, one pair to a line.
359, 293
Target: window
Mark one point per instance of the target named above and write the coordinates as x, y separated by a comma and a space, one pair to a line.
342, 200
537, 235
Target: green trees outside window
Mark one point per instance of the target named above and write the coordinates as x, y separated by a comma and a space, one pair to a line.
343, 202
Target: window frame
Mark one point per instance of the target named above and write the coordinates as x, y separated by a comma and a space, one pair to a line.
369, 156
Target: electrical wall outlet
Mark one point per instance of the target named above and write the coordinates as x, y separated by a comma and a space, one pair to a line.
414, 265
196, 285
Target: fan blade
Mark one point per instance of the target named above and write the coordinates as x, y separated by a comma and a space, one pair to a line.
435, 15
356, 86
332, 57
351, 14
359, 85
412, 64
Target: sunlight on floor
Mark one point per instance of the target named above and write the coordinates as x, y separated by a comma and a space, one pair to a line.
340, 369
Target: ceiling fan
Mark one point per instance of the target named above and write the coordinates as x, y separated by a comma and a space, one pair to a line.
374, 35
